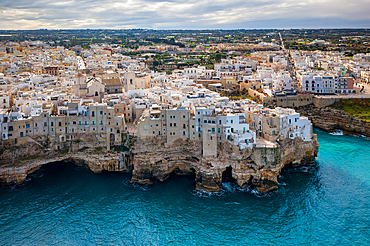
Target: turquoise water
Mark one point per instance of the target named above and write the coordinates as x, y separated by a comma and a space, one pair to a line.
327, 203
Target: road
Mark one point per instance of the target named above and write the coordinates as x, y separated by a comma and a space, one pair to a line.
289, 67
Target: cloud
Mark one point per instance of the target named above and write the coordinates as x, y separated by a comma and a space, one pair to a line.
179, 14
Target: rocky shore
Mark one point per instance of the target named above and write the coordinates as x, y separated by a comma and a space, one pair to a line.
150, 160
329, 119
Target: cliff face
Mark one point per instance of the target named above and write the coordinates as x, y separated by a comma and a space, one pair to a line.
18, 161
259, 167
152, 160
329, 119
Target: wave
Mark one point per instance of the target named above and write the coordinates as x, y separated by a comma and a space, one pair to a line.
208, 194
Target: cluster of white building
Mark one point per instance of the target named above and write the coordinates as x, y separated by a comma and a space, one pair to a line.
329, 72
60, 94
189, 112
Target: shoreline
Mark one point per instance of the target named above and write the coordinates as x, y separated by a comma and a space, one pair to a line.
258, 168
329, 119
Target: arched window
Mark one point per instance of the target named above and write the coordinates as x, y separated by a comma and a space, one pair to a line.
96, 93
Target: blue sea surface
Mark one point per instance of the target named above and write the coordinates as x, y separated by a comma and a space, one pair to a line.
326, 203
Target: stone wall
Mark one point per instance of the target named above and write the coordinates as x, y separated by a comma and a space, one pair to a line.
321, 102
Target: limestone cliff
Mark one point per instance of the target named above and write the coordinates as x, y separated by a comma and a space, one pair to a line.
151, 160
18, 161
259, 167
329, 119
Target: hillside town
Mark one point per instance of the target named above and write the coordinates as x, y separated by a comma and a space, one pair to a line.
53, 94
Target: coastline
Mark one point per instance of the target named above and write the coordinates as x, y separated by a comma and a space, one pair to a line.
150, 161
329, 119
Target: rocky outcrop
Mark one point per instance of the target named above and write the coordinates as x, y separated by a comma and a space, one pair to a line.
259, 167
18, 161
152, 160
329, 119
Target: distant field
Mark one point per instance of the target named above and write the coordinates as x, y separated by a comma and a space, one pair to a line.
355, 107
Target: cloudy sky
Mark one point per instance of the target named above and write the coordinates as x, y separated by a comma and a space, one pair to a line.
183, 14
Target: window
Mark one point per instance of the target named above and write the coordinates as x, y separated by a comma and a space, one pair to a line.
205, 121
45, 124
35, 124
170, 124
145, 127
10, 128
93, 123
192, 126
79, 123
174, 124
218, 130
183, 126
232, 121
101, 122
183, 133
128, 114
60, 123
183, 116
101, 112
92, 113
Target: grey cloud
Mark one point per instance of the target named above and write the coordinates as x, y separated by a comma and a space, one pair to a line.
180, 14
